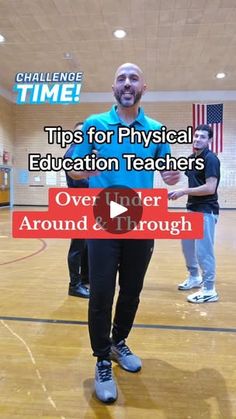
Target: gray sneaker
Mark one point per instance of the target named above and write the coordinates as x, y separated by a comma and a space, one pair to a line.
126, 359
105, 386
191, 282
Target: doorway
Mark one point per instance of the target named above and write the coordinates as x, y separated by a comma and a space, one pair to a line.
5, 186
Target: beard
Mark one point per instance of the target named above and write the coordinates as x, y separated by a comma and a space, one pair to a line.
127, 102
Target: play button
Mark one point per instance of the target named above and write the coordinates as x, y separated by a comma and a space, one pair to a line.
118, 210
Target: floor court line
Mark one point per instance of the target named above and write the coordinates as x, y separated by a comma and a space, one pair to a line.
137, 326
42, 248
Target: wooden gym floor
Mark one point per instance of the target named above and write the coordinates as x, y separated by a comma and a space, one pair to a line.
188, 351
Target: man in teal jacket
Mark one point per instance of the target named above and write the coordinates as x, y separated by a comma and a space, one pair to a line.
129, 258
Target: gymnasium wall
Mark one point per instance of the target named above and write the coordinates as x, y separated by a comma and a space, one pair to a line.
7, 129
29, 121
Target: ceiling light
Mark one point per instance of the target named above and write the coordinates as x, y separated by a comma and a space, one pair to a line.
220, 75
2, 39
67, 56
119, 33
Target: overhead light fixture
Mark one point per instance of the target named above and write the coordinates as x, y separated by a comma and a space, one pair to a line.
67, 56
119, 33
2, 39
220, 75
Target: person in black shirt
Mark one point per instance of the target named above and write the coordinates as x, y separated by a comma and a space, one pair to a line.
202, 197
78, 253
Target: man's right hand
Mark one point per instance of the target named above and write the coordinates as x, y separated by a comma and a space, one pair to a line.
84, 174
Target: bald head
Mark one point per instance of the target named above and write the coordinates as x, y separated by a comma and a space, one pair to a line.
129, 66
128, 85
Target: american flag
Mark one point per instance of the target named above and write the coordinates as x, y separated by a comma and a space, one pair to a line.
213, 116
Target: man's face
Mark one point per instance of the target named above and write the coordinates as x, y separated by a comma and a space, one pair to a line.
128, 86
201, 139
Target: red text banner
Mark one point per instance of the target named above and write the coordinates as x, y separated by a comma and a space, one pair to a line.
108, 213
